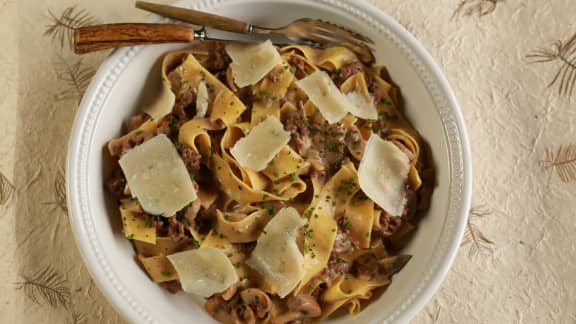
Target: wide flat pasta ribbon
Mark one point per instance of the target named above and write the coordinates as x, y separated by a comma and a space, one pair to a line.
333, 198
329, 58
348, 290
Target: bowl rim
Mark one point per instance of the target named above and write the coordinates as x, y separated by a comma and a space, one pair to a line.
460, 164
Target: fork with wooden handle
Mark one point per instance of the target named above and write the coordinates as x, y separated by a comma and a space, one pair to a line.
321, 32
102, 37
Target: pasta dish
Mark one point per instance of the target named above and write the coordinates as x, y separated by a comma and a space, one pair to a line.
280, 184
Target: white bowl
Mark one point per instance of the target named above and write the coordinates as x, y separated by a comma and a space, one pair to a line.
117, 88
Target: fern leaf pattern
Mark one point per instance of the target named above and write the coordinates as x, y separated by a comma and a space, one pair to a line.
47, 287
479, 243
564, 55
76, 76
475, 7
563, 160
61, 28
7, 189
59, 191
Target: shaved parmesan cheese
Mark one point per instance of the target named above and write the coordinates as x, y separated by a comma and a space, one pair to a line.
201, 100
250, 63
360, 106
276, 256
157, 177
321, 90
204, 271
382, 174
261, 145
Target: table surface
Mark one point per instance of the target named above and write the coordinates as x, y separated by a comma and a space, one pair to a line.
518, 264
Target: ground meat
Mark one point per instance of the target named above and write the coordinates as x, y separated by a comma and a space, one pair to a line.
172, 286
382, 127
297, 124
134, 122
290, 96
389, 224
350, 69
185, 106
336, 267
205, 219
164, 128
177, 230
326, 152
218, 58
190, 157
136, 139
116, 183
274, 75
301, 67
175, 80
342, 242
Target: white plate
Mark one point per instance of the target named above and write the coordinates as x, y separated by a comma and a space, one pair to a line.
117, 89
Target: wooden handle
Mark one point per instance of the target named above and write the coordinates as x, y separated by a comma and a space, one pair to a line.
102, 37
196, 17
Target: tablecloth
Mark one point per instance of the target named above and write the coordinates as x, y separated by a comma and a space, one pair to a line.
511, 64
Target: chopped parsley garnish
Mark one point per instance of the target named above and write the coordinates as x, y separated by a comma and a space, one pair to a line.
346, 224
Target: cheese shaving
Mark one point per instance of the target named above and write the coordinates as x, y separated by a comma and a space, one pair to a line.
276, 256
157, 177
204, 271
323, 93
261, 145
251, 63
382, 174
201, 100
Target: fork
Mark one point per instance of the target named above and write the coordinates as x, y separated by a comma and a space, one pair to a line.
301, 30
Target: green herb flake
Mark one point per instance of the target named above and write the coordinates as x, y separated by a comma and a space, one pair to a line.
346, 224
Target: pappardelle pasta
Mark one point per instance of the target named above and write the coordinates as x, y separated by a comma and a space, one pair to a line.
278, 183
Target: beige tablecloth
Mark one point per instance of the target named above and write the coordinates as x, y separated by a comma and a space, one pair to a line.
519, 262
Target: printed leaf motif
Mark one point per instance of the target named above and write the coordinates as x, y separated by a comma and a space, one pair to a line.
7, 189
565, 54
61, 28
472, 7
76, 77
77, 317
479, 243
46, 288
434, 312
563, 160
59, 191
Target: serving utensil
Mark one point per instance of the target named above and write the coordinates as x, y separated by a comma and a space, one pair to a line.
101, 37
303, 30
